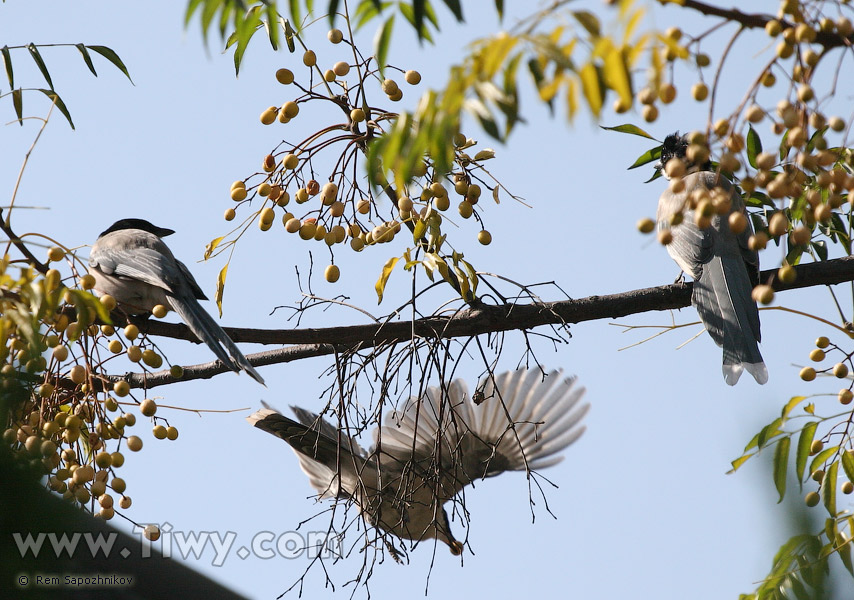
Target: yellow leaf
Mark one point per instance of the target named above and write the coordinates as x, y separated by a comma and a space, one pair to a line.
381, 282
590, 87
617, 75
212, 246
548, 90
572, 97
220, 287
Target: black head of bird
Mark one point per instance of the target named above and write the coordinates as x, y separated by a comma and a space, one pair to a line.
141, 224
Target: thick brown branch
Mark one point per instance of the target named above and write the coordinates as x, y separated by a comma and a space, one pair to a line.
754, 20
469, 322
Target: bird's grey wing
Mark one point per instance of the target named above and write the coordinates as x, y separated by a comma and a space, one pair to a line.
691, 246
468, 441
545, 412
191, 281
331, 469
135, 254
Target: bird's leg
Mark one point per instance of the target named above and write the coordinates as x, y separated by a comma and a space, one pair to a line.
680, 279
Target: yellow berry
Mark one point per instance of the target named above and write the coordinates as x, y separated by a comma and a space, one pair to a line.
700, 91
160, 311
817, 355
335, 36
646, 225
840, 370
121, 388
134, 444
284, 76
87, 282
291, 109
412, 77
134, 353
332, 273
151, 532
176, 371
238, 194
229, 214
152, 359
807, 374
172, 433
159, 432
55, 253
309, 59
269, 115
341, 68
290, 161
357, 115
484, 237
77, 374
131, 332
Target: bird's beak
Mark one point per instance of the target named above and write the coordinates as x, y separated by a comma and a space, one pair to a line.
163, 232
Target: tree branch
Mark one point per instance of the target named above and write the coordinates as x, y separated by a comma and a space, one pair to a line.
469, 322
758, 21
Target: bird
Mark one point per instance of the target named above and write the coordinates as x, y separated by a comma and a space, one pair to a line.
429, 449
131, 263
720, 262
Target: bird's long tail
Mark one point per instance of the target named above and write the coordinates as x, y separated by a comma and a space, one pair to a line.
723, 299
206, 329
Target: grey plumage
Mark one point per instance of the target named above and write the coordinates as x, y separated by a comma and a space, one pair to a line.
131, 263
722, 265
426, 452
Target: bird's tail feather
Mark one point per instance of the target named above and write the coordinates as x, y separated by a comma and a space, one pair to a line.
723, 299
206, 329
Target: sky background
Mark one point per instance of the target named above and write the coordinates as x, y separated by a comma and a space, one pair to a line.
644, 507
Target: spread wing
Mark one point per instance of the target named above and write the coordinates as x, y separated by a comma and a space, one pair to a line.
522, 423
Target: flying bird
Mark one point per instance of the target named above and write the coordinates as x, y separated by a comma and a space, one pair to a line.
429, 450
130, 262
723, 267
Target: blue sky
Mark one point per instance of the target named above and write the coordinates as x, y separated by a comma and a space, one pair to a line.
643, 507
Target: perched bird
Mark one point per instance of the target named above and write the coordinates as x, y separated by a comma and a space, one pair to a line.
723, 267
130, 262
428, 451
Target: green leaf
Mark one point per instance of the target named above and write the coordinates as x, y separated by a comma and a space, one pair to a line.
769, 431
7, 61
86, 58
18, 103
272, 26
822, 457
828, 488
845, 556
455, 8
820, 248
629, 128
37, 57
740, 461
296, 13
382, 41
60, 105
781, 463
332, 10
419, 230
589, 21
381, 282
754, 146
848, 465
647, 157
111, 56
803, 452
